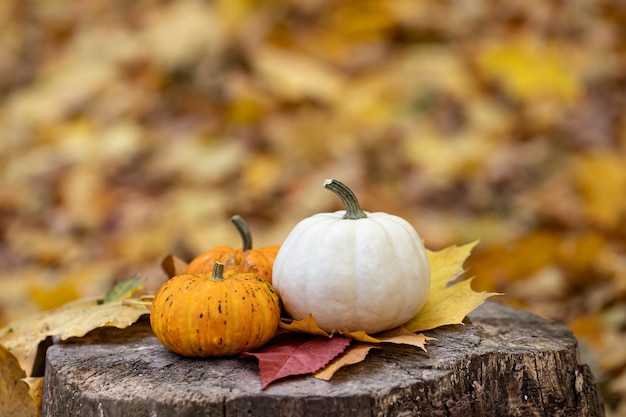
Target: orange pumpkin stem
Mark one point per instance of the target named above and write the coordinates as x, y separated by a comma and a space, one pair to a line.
218, 271
244, 231
353, 208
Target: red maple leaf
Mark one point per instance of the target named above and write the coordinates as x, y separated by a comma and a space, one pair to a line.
296, 354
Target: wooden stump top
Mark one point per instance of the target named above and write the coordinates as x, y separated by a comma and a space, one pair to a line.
502, 362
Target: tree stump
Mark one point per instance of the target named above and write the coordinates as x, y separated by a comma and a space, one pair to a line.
502, 362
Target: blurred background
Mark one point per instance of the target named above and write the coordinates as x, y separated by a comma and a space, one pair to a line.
132, 130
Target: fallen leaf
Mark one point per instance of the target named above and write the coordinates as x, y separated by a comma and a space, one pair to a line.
455, 157
296, 354
15, 397
306, 325
448, 307
357, 352
529, 69
605, 201
35, 389
402, 336
294, 76
173, 266
447, 304
49, 298
399, 335
74, 319
447, 264
233, 15
354, 354
124, 289
360, 335
261, 175
173, 36
83, 188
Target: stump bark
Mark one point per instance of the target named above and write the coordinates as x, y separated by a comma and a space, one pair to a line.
502, 362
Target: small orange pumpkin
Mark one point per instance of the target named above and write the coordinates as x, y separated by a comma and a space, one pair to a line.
205, 315
256, 261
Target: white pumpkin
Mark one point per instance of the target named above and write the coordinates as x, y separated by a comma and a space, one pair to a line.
352, 270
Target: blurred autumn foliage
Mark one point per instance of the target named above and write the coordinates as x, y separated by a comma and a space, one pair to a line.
130, 130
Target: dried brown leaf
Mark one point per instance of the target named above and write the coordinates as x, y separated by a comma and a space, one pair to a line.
173, 266
354, 354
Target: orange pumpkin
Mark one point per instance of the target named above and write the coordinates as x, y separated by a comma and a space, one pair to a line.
206, 315
255, 261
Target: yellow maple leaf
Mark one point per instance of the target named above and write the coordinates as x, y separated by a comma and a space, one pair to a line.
447, 304
446, 265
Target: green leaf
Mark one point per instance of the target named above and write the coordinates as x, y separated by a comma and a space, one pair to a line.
124, 289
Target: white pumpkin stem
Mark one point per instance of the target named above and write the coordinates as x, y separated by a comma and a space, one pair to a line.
244, 232
353, 208
218, 271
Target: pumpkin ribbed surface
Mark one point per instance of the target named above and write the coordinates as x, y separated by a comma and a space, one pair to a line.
200, 315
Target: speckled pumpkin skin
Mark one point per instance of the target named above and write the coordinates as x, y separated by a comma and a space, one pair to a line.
255, 261
198, 315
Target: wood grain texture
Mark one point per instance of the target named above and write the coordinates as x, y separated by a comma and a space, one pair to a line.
502, 362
